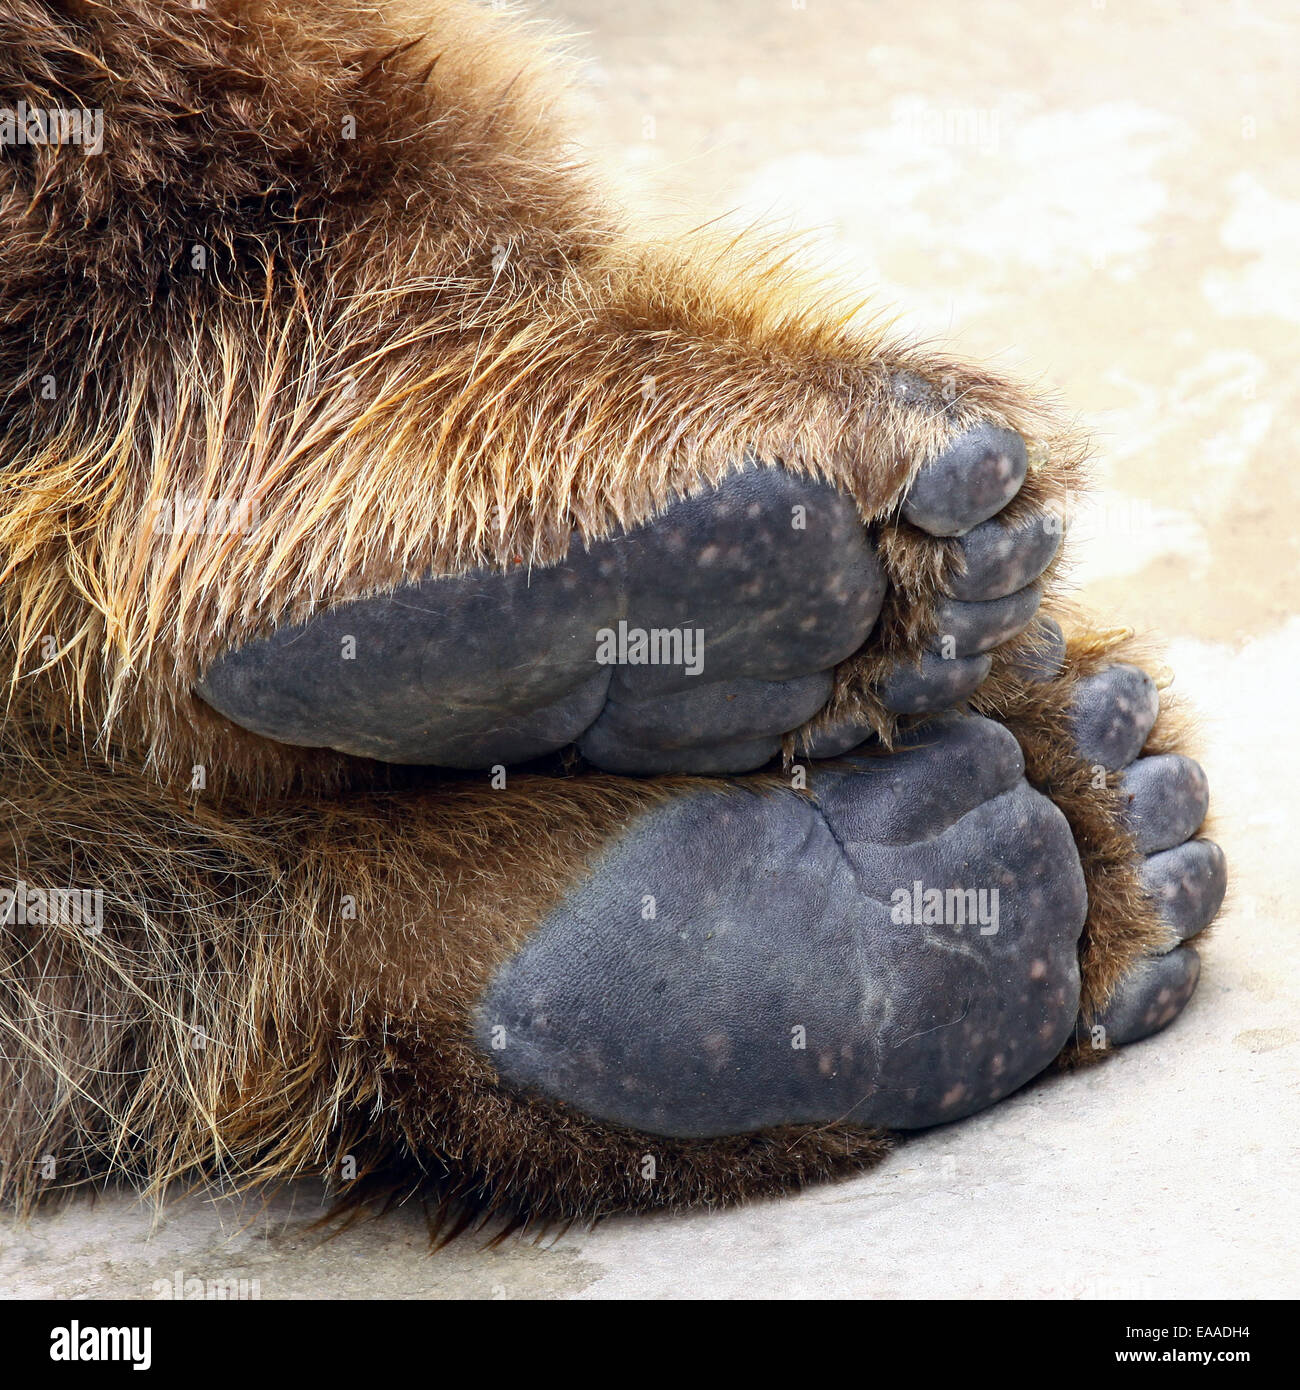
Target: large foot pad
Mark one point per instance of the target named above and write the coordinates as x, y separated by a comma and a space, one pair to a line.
895, 949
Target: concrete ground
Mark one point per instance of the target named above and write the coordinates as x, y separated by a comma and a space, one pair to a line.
1102, 195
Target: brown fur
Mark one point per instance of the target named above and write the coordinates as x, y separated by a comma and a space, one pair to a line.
233, 1022
352, 360
420, 350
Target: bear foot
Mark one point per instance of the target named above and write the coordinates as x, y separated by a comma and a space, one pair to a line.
894, 948
690, 644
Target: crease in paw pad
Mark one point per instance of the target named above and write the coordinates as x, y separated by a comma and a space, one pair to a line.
898, 949
691, 644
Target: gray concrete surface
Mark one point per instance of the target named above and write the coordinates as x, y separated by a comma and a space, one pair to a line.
1105, 196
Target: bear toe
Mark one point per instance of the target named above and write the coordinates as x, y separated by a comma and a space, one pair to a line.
1112, 714
970, 481
1168, 798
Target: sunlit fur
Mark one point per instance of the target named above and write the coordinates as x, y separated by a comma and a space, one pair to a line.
419, 350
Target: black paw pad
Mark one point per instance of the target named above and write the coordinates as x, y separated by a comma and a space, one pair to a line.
1151, 996
972, 480
898, 947
1112, 714
692, 643
1188, 885
1168, 798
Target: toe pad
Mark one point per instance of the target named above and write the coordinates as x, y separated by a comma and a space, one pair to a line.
1112, 714
1168, 798
1188, 885
973, 479
1151, 996
1000, 559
